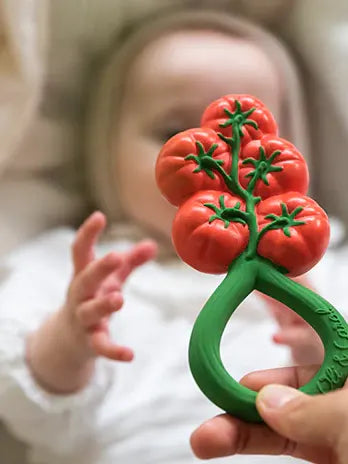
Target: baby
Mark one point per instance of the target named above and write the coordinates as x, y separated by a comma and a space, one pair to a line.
66, 385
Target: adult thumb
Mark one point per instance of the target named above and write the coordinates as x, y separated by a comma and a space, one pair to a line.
310, 420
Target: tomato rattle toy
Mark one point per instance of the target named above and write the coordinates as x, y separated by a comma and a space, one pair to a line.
242, 210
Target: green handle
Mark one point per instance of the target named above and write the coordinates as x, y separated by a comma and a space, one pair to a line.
243, 277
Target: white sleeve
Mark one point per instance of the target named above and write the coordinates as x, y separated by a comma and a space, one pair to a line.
58, 423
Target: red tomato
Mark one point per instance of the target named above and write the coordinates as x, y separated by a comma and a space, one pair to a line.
215, 115
176, 177
290, 173
307, 242
209, 246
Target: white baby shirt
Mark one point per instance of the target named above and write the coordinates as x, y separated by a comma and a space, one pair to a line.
137, 413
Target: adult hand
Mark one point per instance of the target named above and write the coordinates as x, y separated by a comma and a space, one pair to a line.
314, 428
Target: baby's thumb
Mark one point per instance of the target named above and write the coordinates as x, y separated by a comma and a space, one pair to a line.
310, 420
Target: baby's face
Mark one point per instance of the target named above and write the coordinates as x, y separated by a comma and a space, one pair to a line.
168, 85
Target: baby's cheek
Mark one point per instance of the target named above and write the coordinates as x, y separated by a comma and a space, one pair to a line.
139, 196
153, 212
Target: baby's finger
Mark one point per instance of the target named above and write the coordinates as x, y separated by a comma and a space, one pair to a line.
141, 253
285, 316
87, 282
305, 344
93, 311
103, 346
297, 336
86, 237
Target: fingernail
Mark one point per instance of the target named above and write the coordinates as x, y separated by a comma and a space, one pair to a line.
276, 396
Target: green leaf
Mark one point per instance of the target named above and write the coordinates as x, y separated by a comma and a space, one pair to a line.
284, 210
298, 223
212, 218
264, 179
250, 122
271, 216
296, 211
248, 113
250, 161
228, 140
200, 147
275, 169
191, 156
222, 201
262, 154
239, 220
225, 124
210, 173
213, 207
212, 149
238, 106
273, 155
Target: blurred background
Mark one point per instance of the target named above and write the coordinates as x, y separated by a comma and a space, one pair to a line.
51, 51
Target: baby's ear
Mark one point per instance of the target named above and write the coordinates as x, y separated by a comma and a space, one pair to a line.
265, 12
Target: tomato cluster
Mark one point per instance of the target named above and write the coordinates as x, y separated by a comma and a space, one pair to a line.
234, 170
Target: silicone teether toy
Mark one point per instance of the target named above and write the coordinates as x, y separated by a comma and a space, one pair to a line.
241, 191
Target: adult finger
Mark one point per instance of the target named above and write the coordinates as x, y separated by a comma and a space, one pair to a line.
227, 436
311, 421
292, 376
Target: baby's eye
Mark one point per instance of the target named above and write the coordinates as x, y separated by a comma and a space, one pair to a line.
165, 134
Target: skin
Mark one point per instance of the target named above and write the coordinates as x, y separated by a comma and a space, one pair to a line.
168, 86
304, 343
166, 89
311, 428
62, 352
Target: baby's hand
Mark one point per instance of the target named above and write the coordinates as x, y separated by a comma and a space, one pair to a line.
294, 332
61, 352
95, 291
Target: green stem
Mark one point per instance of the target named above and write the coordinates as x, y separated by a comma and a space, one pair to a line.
235, 187
235, 145
263, 231
253, 228
204, 352
248, 272
321, 315
228, 181
252, 183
